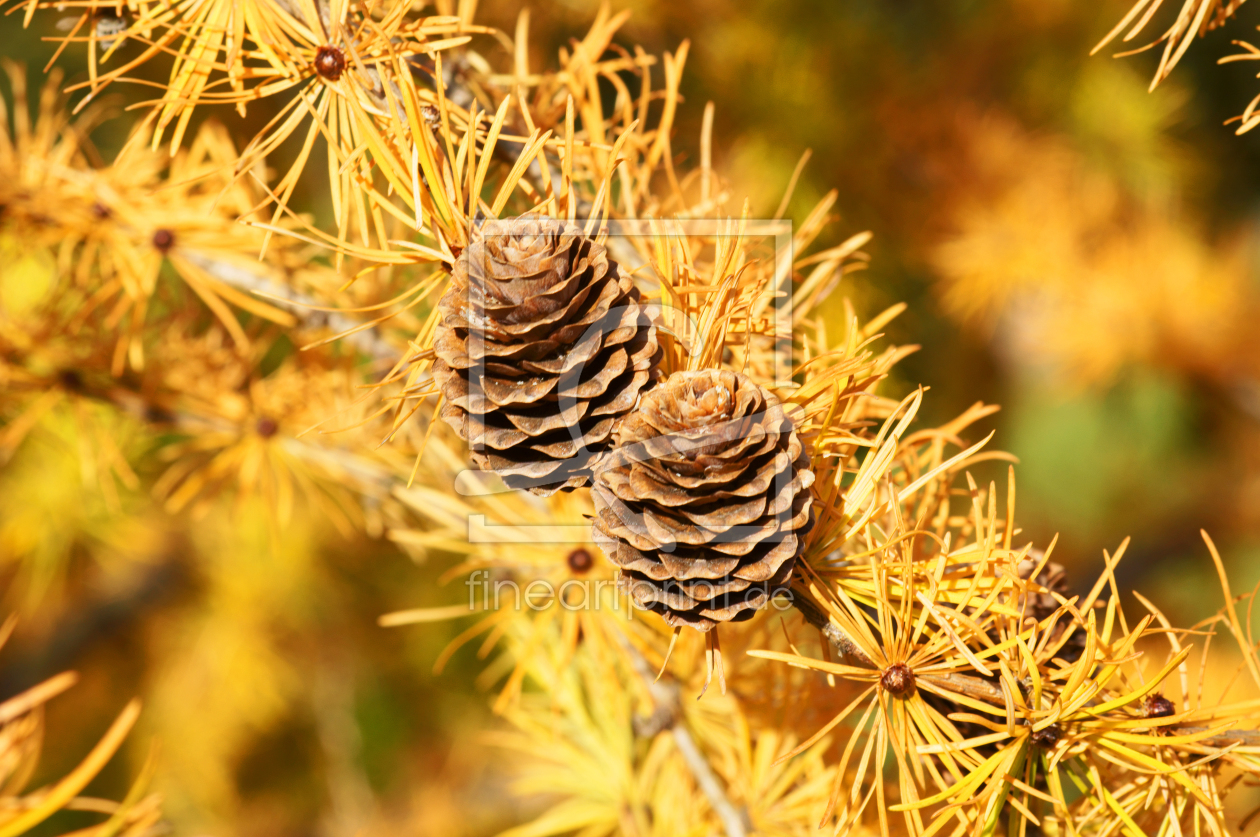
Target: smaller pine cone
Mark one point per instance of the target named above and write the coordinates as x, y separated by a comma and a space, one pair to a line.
705, 499
541, 346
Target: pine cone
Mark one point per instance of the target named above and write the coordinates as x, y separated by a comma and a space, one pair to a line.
1053, 577
704, 500
1041, 606
542, 345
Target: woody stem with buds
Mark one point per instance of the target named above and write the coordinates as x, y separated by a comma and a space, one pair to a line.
973, 687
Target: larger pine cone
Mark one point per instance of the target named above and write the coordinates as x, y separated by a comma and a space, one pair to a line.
704, 500
542, 345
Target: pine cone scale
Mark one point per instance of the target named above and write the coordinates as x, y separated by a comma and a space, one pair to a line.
684, 565
624, 395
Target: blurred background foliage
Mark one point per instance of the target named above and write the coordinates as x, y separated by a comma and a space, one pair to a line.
1071, 246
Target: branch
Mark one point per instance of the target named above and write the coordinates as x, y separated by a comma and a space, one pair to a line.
368, 477
964, 684
667, 714
839, 640
366, 340
1249, 738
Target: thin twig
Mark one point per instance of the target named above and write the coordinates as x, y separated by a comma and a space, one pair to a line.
964, 684
305, 308
667, 714
1245, 737
369, 478
845, 647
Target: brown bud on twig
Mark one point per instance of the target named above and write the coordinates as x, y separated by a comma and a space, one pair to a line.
579, 561
1157, 706
898, 681
163, 241
330, 62
1048, 737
